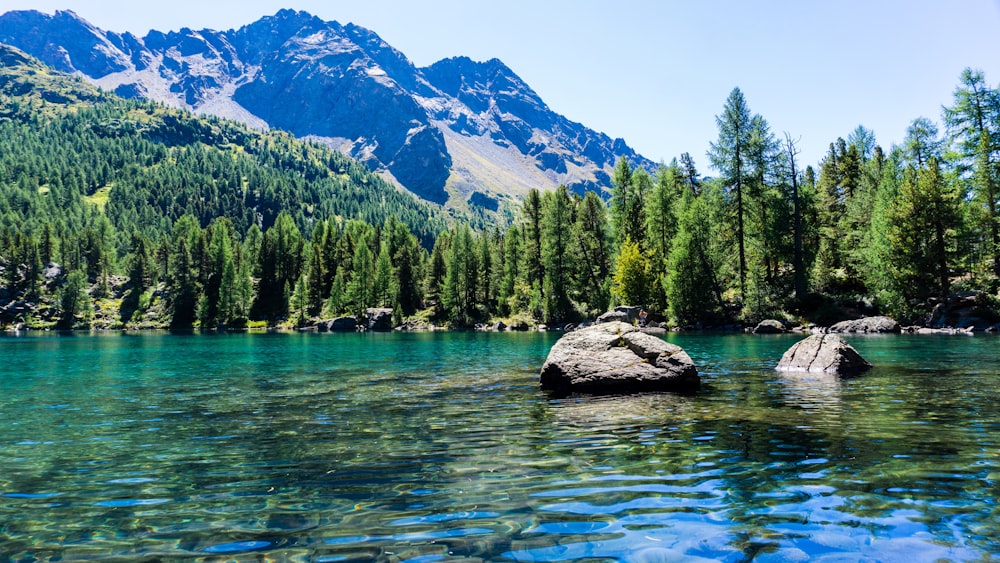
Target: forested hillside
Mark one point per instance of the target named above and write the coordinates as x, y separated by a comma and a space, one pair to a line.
118, 213
92, 182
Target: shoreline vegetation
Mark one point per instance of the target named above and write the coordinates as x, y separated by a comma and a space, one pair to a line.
124, 214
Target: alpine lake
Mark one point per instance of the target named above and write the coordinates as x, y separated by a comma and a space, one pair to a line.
425, 447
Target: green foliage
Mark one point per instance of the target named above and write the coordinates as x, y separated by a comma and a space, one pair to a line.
690, 284
591, 245
628, 188
462, 278
74, 302
630, 283
214, 224
557, 225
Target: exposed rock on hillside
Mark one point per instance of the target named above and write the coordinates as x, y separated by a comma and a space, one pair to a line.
445, 132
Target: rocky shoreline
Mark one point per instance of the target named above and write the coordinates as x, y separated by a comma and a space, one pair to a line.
963, 314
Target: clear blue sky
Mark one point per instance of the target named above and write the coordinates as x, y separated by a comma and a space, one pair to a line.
656, 73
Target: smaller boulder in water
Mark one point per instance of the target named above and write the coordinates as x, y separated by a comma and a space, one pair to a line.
823, 353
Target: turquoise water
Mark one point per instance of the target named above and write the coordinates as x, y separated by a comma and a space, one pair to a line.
440, 447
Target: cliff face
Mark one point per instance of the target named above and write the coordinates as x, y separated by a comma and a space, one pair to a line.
445, 132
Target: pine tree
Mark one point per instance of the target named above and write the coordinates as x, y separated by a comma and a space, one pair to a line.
382, 290
557, 221
691, 286
592, 247
182, 277
628, 188
74, 302
661, 226
729, 155
533, 266
459, 290
511, 273
973, 123
359, 293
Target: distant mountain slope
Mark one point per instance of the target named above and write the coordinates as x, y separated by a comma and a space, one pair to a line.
445, 132
69, 148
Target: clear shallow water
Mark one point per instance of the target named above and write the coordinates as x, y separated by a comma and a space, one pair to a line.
440, 447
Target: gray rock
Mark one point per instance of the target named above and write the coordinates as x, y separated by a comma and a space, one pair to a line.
378, 319
769, 326
622, 313
52, 271
867, 325
613, 317
617, 357
823, 353
342, 324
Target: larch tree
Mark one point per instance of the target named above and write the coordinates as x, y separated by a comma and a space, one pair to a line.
691, 286
973, 122
729, 155
661, 226
557, 222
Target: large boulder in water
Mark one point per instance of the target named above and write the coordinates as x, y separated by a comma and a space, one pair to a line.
823, 353
868, 325
617, 357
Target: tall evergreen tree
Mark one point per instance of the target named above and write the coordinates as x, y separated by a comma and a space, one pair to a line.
973, 122
730, 156
691, 286
360, 293
592, 247
533, 266
557, 222
628, 187
460, 281
280, 263
661, 227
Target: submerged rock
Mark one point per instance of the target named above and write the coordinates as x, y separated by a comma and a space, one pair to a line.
867, 325
617, 357
823, 353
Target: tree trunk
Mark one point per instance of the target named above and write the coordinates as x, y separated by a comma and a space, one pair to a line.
797, 265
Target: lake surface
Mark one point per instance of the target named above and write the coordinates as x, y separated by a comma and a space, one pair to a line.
440, 447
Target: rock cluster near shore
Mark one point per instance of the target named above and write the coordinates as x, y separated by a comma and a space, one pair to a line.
617, 357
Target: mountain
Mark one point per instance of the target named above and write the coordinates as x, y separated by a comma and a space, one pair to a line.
71, 154
455, 132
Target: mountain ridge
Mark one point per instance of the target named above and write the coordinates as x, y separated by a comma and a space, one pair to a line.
445, 132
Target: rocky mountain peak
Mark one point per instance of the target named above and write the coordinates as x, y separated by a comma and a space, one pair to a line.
63, 41
456, 132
